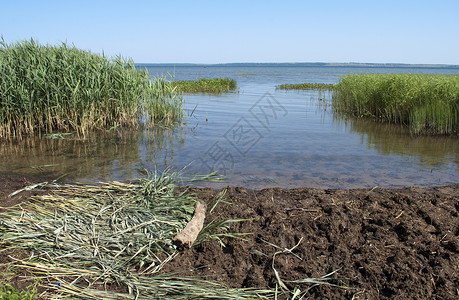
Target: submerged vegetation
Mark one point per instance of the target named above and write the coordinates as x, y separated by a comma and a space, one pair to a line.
306, 86
206, 85
425, 103
44, 89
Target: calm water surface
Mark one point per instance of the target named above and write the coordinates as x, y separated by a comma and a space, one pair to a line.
258, 137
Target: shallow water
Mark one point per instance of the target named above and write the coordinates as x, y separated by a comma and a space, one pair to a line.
258, 137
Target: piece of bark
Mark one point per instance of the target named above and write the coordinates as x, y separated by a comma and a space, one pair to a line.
189, 234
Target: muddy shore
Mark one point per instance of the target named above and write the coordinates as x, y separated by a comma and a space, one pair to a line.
384, 243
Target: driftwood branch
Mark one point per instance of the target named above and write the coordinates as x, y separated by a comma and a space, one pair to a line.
189, 234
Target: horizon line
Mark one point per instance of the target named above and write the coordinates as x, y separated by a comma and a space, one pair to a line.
308, 63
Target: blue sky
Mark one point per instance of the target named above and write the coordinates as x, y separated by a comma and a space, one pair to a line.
244, 31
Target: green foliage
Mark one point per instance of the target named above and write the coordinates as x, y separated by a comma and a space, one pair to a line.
8, 292
425, 103
306, 86
44, 89
206, 85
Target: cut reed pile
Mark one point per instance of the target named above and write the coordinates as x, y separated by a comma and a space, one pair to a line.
82, 238
206, 85
110, 240
425, 103
44, 89
306, 86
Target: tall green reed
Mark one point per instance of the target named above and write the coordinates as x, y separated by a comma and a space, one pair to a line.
44, 89
424, 102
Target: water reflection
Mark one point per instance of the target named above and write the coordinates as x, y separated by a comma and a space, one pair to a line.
107, 156
391, 139
162, 145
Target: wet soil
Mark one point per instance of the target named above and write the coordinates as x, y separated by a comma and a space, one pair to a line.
384, 243
13, 183
387, 244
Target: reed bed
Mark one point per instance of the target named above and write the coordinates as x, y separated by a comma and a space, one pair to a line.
206, 85
306, 86
428, 104
44, 89
110, 241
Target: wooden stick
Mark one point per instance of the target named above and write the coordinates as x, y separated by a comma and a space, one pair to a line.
189, 234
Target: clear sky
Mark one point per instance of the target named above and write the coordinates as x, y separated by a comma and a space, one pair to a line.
424, 32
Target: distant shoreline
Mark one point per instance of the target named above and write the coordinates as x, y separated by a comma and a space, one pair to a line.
304, 64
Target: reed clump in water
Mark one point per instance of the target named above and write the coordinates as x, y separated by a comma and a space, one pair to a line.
206, 85
306, 86
44, 89
426, 103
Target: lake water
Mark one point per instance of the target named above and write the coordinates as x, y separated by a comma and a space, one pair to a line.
258, 137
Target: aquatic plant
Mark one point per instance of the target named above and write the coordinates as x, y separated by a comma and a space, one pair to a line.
426, 103
306, 86
206, 85
44, 89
